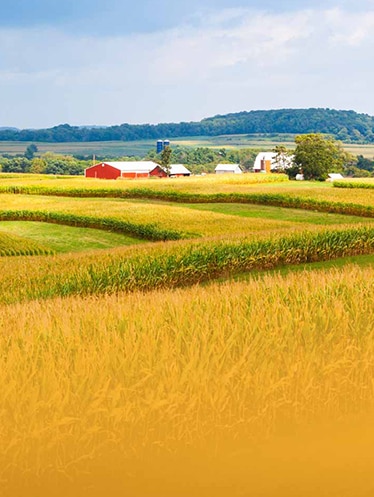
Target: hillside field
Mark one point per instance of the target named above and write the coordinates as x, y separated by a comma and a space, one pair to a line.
203, 336
262, 142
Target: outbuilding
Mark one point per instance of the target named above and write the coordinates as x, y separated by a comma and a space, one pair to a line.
334, 176
178, 170
228, 168
134, 169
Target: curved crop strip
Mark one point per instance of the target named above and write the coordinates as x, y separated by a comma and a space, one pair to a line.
12, 245
353, 184
272, 199
186, 265
143, 231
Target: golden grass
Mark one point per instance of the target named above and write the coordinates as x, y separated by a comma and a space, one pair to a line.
185, 392
259, 388
245, 183
14, 245
201, 223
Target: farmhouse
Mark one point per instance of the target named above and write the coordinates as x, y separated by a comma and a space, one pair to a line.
177, 170
114, 170
228, 168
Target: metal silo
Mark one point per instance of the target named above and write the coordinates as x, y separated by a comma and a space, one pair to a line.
159, 146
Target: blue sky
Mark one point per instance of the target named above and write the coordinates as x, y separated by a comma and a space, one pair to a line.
109, 62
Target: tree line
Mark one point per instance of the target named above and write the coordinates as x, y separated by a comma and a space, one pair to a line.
347, 126
315, 155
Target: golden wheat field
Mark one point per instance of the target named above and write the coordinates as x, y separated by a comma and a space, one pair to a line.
121, 383
260, 386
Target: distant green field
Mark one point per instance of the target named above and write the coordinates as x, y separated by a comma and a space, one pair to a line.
141, 147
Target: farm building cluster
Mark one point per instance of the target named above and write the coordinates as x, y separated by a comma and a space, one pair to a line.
265, 162
135, 169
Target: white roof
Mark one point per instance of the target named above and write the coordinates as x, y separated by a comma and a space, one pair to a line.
178, 169
335, 176
132, 166
227, 167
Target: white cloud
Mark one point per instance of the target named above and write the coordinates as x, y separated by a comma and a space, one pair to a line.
237, 59
353, 30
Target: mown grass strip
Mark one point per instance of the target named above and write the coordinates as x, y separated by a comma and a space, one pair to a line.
143, 231
187, 264
270, 199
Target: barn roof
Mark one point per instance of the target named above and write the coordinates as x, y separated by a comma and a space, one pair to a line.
333, 176
178, 169
132, 166
227, 167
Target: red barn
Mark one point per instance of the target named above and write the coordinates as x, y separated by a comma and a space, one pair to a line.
114, 170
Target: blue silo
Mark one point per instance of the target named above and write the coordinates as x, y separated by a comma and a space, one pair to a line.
159, 146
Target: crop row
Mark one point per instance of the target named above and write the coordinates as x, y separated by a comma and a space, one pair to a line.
353, 184
183, 265
271, 199
12, 245
143, 231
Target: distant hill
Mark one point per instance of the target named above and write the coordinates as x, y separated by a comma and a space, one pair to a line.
345, 125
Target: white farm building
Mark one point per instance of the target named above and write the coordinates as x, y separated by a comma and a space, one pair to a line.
228, 168
178, 170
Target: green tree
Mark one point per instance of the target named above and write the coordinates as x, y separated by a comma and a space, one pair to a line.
165, 159
31, 151
17, 165
317, 155
282, 159
37, 165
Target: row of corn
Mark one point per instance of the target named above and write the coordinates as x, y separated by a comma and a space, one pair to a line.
183, 265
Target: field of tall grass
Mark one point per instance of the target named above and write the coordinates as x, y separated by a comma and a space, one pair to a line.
254, 388
145, 370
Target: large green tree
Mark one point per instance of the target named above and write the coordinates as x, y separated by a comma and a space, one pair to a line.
318, 155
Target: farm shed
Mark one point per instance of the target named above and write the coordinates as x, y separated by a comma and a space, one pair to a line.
334, 176
228, 168
265, 162
114, 170
177, 170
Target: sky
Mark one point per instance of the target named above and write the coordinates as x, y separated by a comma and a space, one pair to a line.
106, 62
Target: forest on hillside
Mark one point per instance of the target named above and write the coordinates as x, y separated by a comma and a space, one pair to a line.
347, 126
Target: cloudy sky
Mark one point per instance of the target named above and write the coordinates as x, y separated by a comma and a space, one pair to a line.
113, 61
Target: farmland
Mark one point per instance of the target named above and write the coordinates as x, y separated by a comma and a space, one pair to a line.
183, 333
142, 147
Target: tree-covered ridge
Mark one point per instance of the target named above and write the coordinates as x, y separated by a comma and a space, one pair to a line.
348, 126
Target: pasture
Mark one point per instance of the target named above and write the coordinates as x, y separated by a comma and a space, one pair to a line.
202, 336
